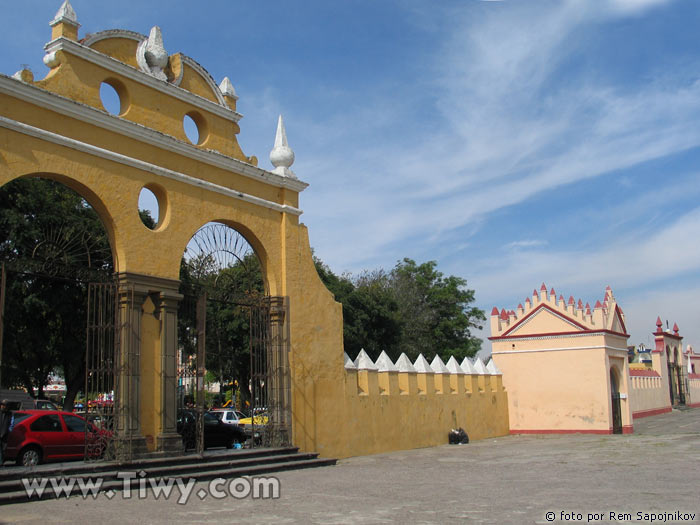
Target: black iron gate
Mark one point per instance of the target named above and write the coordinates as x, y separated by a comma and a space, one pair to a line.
206, 342
677, 383
111, 374
269, 372
616, 413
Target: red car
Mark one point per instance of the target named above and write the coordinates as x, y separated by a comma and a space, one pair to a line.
51, 435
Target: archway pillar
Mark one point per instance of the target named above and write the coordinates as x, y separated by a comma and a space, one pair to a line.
149, 307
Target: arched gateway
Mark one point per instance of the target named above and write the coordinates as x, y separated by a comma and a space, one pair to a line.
58, 128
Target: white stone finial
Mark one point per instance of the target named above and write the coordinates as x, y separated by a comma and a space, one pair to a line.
282, 156
65, 14
384, 363
348, 362
227, 89
364, 361
422, 366
467, 366
403, 363
151, 55
480, 367
492, 369
453, 366
438, 365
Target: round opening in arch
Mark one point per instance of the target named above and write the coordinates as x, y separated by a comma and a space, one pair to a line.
114, 97
195, 127
55, 250
150, 208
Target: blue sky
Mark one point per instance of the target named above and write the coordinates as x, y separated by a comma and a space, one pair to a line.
514, 141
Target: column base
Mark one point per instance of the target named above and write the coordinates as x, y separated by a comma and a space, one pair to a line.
170, 443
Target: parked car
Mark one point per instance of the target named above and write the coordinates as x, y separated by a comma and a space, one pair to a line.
49, 435
216, 433
246, 423
227, 415
20, 400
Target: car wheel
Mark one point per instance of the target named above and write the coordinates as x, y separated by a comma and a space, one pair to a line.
230, 443
29, 457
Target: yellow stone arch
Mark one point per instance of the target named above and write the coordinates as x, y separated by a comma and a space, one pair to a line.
58, 128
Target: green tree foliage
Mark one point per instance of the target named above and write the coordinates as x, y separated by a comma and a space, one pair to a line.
52, 243
413, 309
229, 292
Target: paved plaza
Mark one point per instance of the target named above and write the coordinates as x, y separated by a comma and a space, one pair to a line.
651, 474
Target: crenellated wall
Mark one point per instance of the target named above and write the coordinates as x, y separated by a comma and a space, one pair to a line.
648, 392
403, 405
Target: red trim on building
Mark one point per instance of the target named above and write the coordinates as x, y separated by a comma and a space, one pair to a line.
546, 307
693, 376
553, 334
618, 312
643, 373
694, 405
652, 412
560, 431
628, 429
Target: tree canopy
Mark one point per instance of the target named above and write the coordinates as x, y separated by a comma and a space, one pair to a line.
414, 308
52, 243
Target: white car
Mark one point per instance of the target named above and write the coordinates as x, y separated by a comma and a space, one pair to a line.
228, 416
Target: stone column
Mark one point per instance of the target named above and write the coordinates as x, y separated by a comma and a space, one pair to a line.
168, 440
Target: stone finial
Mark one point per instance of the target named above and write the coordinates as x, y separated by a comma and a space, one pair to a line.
65, 23
348, 362
467, 366
659, 324
453, 366
227, 89
384, 364
480, 367
492, 369
65, 15
675, 328
403, 363
495, 311
282, 156
422, 366
151, 55
438, 366
364, 361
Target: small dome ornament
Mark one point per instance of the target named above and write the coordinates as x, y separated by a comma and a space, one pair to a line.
282, 156
151, 55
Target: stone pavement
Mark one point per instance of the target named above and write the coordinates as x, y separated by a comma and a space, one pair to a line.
514, 479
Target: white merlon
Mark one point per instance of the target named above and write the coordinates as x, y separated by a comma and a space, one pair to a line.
453, 366
467, 366
65, 14
364, 362
403, 363
438, 365
282, 156
384, 364
348, 362
480, 367
422, 366
227, 89
492, 369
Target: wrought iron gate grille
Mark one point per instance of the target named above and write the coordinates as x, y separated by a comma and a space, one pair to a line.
110, 364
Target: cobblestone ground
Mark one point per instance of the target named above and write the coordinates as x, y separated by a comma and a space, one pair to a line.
651, 476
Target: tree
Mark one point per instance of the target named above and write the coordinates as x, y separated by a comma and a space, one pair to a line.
413, 309
52, 243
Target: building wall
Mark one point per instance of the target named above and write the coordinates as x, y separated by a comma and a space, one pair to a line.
556, 358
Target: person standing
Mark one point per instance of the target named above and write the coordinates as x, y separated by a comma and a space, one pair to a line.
7, 421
